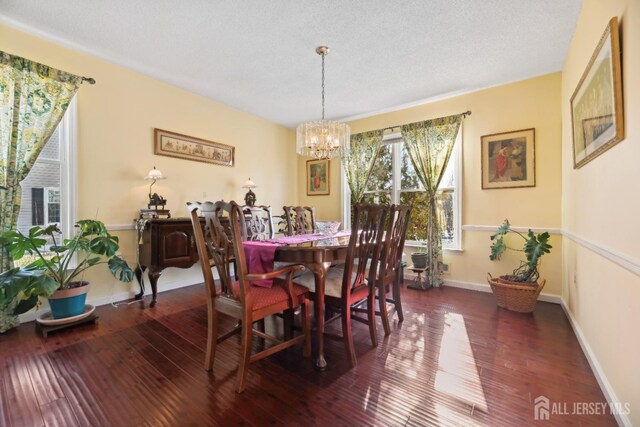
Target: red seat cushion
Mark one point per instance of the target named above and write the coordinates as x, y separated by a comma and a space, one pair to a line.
264, 297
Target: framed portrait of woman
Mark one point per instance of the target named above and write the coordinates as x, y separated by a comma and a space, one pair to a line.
508, 159
317, 177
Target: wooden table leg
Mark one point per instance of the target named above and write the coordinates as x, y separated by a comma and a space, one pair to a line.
319, 274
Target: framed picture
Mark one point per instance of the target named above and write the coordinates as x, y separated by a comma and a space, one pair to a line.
508, 159
596, 104
317, 177
190, 148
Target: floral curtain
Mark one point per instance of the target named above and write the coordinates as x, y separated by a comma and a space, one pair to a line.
33, 99
358, 161
429, 145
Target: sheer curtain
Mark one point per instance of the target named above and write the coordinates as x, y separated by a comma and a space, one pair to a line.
429, 145
359, 160
33, 99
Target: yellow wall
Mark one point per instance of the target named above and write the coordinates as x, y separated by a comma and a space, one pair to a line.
600, 206
533, 103
116, 118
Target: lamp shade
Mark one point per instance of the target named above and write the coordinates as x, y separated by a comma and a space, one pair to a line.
249, 184
155, 174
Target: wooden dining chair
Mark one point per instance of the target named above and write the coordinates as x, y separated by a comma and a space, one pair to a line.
238, 298
354, 281
258, 222
300, 220
389, 268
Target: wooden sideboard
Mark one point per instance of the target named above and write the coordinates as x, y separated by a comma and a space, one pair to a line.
164, 243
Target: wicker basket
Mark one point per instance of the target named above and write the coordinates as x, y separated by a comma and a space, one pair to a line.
514, 295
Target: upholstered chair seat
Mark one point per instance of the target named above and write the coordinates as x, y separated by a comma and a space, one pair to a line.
332, 282
265, 297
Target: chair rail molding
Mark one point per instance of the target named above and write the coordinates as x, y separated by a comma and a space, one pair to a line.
494, 228
625, 261
121, 227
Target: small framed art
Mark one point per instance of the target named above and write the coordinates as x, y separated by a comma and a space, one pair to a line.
508, 159
317, 177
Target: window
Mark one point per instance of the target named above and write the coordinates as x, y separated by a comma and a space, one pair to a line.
393, 180
45, 204
48, 192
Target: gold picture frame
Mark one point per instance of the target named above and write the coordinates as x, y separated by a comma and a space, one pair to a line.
508, 159
186, 147
318, 177
596, 105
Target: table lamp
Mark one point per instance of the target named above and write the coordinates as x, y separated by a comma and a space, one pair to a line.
155, 199
250, 197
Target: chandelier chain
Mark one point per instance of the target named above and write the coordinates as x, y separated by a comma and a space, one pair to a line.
323, 85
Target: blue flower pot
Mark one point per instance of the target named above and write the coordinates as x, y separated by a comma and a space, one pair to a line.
69, 302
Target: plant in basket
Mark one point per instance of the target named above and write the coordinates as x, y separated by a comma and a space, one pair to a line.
519, 290
50, 268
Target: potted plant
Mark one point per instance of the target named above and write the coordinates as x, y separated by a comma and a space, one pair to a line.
419, 258
53, 271
519, 290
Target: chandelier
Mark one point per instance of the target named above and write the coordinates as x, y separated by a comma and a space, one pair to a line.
322, 139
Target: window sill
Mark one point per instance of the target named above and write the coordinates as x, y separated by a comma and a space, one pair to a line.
446, 250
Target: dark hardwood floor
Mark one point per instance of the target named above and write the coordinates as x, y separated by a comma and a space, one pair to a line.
456, 360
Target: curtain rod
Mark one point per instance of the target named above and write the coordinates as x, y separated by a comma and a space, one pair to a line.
465, 114
89, 80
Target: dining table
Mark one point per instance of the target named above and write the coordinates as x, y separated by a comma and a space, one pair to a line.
316, 252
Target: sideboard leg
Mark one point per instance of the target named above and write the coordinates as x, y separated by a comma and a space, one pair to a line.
140, 276
153, 278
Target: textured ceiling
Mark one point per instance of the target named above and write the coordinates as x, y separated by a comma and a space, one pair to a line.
259, 56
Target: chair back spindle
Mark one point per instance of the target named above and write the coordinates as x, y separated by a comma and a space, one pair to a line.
391, 255
365, 244
223, 233
259, 222
300, 220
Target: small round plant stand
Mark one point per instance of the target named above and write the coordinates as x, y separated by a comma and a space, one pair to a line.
419, 282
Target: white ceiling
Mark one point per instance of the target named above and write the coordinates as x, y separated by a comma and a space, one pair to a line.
259, 56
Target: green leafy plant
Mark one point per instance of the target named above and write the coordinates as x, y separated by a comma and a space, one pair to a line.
50, 266
535, 246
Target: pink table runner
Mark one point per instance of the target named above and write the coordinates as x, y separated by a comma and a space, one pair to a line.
260, 254
303, 238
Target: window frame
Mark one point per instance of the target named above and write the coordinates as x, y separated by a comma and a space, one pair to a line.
69, 169
46, 203
396, 140
66, 165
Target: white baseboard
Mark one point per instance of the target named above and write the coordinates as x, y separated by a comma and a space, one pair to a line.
603, 382
484, 287
120, 296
